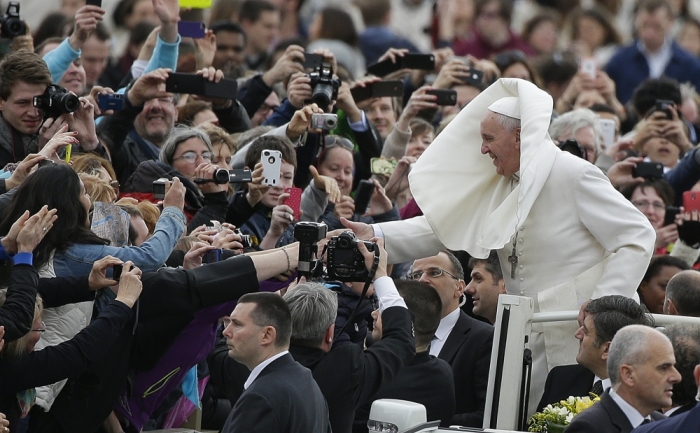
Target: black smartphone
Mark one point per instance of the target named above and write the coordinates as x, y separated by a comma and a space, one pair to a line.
117, 272
363, 194
312, 61
671, 213
110, 101
240, 175
410, 61
648, 170
191, 29
213, 256
379, 89
196, 85
475, 77
97, 3
665, 106
444, 96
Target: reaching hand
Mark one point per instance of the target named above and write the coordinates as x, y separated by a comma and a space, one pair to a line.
362, 230
175, 196
205, 49
86, 20
193, 257
34, 229
82, 121
327, 184
149, 86
344, 208
23, 169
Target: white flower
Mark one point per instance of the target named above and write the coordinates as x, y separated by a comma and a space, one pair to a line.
569, 417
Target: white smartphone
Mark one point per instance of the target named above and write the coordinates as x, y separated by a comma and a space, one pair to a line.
272, 164
588, 66
607, 127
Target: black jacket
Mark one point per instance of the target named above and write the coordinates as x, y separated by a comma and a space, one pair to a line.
564, 381
604, 417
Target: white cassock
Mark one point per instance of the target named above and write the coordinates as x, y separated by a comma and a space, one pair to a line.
575, 237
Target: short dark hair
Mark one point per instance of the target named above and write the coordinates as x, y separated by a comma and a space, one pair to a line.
657, 263
684, 290
661, 186
491, 263
456, 264
653, 89
505, 12
612, 313
271, 310
426, 306
602, 108
270, 142
558, 67
252, 9
22, 66
686, 348
228, 26
337, 24
602, 17
652, 5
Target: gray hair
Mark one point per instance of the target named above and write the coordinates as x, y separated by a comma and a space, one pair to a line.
684, 290
568, 124
506, 122
686, 348
314, 308
177, 136
630, 347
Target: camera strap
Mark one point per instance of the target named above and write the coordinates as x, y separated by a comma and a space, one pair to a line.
368, 281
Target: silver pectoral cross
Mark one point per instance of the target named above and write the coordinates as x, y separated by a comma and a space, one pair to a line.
513, 259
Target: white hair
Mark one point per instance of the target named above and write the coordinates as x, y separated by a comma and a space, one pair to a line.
568, 124
506, 122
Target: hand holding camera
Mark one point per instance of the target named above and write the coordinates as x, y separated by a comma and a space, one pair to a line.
130, 285
282, 217
149, 86
302, 121
289, 63
195, 256
175, 195
370, 255
256, 188
207, 171
86, 20
455, 72
344, 208
98, 274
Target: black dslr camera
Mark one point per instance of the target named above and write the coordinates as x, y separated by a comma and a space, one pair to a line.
12, 25
324, 85
573, 147
308, 234
345, 261
56, 101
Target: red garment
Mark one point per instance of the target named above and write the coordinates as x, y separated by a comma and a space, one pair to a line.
410, 210
481, 49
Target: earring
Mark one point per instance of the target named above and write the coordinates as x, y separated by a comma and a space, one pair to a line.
462, 300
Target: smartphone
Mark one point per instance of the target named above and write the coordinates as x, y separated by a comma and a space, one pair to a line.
383, 166
379, 89
410, 61
213, 256
691, 201
272, 163
312, 61
588, 66
240, 175
191, 29
294, 201
363, 194
475, 77
110, 101
665, 106
671, 213
196, 85
607, 127
648, 170
117, 272
196, 4
97, 3
444, 96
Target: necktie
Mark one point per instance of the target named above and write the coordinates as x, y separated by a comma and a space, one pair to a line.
597, 388
646, 421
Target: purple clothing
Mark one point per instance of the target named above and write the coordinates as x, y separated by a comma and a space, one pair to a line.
481, 49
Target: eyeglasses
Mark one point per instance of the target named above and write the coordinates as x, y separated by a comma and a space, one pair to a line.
42, 330
643, 204
431, 272
191, 157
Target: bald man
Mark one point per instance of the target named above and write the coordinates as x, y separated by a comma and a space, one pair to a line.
683, 294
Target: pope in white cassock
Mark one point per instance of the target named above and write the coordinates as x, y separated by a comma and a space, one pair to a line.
494, 180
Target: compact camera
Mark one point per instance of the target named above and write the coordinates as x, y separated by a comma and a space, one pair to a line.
574, 147
308, 234
12, 25
324, 85
56, 101
345, 261
324, 121
246, 241
159, 188
223, 175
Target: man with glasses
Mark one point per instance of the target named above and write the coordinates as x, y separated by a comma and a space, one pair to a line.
465, 343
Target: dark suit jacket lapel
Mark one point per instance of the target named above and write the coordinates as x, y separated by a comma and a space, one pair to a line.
276, 365
617, 416
454, 341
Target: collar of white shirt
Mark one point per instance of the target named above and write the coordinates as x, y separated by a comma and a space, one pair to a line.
606, 382
444, 328
635, 418
659, 60
258, 368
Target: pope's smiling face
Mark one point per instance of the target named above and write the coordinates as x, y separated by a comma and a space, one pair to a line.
500, 144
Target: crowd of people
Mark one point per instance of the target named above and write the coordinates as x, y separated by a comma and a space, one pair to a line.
539, 148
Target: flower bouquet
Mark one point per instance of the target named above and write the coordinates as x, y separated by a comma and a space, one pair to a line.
555, 417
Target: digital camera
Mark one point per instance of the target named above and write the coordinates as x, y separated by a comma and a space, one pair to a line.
308, 234
159, 188
56, 101
11, 23
324, 86
345, 261
324, 121
246, 241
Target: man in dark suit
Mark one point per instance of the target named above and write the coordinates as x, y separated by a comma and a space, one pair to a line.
281, 395
602, 318
426, 379
686, 348
465, 343
683, 294
346, 374
640, 366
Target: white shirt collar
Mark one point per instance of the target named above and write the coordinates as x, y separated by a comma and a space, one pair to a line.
635, 418
605, 382
258, 368
443, 331
659, 60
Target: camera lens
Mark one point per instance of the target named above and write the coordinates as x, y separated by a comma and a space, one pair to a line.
331, 123
322, 95
343, 243
271, 160
221, 176
69, 102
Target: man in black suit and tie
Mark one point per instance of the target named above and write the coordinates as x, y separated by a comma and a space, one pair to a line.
602, 318
281, 395
464, 342
642, 375
347, 374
